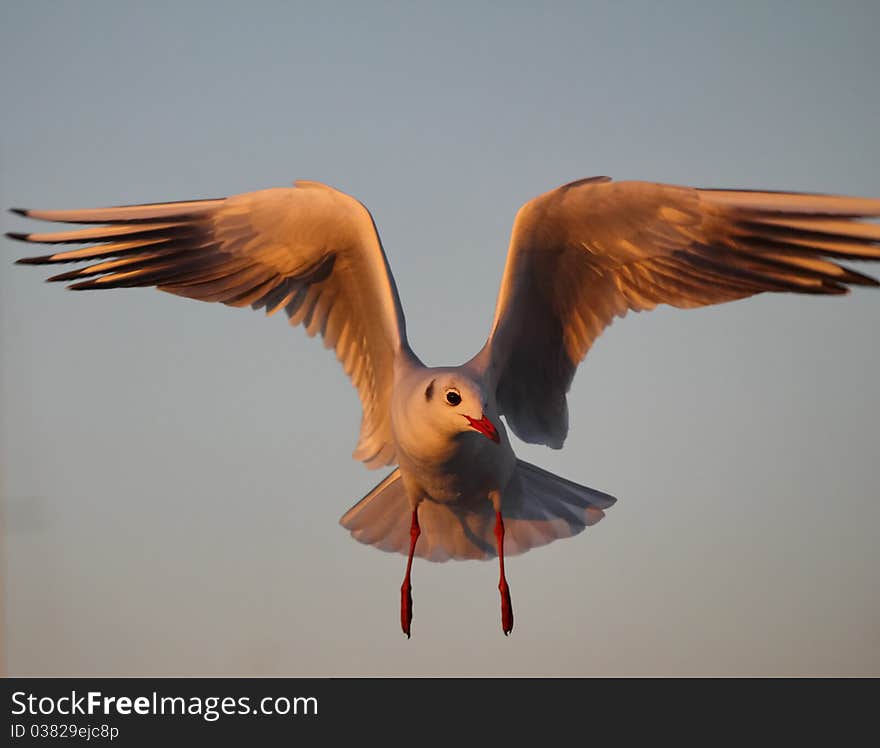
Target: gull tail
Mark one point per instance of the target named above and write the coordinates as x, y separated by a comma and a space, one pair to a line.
538, 508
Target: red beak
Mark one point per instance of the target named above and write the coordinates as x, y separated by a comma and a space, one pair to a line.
485, 427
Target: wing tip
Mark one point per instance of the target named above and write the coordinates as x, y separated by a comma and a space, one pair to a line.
81, 286
38, 260
69, 275
860, 279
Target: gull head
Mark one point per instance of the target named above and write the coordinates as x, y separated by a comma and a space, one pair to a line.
455, 404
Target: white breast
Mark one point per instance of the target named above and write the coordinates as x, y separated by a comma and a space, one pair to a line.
463, 470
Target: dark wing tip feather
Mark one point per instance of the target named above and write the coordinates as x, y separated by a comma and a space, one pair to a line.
65, 276
834, 289
82, 285
857, 278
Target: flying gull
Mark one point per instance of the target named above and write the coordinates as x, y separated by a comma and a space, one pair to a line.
579, 256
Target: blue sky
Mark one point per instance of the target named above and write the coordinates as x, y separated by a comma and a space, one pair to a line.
173, 472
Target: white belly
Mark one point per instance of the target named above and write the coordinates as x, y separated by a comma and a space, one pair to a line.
466, 473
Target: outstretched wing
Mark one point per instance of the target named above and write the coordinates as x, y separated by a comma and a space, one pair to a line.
594, 249
308, 249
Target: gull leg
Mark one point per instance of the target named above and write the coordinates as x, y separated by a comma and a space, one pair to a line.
406, 587
503, 588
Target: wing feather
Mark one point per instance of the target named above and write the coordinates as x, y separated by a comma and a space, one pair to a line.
309, 249
592, 250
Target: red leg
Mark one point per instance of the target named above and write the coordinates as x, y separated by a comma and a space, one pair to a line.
506, 607
406, 587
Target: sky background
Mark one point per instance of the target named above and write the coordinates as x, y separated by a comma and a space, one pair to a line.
173, 472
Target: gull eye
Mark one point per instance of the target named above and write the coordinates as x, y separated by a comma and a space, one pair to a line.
453, 397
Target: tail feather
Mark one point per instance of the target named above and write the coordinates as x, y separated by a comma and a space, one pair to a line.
382, 517
538, 508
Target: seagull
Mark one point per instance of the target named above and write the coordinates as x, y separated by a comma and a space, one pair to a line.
579, 256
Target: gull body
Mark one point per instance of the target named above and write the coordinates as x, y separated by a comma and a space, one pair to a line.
579, 256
